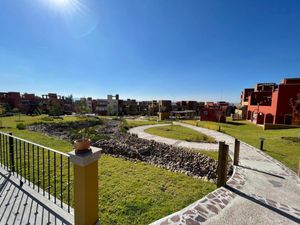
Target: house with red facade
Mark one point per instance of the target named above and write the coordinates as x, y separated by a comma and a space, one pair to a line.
272, 103
12, 99
213, 111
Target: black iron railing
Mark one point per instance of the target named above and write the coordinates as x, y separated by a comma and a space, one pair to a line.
44, 169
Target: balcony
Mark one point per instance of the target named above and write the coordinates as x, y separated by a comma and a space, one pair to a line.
39, 185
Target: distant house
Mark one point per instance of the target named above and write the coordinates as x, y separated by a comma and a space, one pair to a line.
153, 108
275, 104
12, 99
52, 104
165, 106
143, 107
185, 114
113, 107
215, 112
100, 106
241, 111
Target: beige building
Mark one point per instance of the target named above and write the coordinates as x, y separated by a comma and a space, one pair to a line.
112, 105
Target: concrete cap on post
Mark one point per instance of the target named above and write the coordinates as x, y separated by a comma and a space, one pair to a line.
84, 159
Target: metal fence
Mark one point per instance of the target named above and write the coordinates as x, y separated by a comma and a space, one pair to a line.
44, 169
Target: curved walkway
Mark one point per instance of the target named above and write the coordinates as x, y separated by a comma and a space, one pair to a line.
261, 190
140, 131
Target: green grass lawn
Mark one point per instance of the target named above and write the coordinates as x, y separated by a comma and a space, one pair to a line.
128, 123
212, 154
130, 193
136, 123
286, 151
137, 193
178, 132
12, 121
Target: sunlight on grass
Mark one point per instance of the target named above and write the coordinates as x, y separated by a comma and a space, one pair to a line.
284, 150
178, 132
129, 193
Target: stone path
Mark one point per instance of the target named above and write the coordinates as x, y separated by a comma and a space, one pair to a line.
261, 190
23, 205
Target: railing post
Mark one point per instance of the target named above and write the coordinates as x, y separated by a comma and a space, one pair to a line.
86, 186
222, 164
11, 153
262, 143
236, 152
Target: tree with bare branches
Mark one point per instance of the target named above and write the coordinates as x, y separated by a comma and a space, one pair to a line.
295, 104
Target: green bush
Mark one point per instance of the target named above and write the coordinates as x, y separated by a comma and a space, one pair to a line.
124, 127
89, 132
21, 126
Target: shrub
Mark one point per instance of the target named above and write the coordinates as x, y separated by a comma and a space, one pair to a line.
124, 127
21, 126
88, 132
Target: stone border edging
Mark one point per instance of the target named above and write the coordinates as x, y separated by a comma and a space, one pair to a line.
208, 206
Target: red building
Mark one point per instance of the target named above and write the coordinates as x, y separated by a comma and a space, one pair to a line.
212, 111
275, 104
12, 99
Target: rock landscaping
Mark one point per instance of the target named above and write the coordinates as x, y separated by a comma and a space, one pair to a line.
66, 130
125, 145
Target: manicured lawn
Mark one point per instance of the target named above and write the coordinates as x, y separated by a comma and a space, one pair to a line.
137, 193
179, 133
286, 151
136, 123
12, 121
212, 154
128, 123
131, 193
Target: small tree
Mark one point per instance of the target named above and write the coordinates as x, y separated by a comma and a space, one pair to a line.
70, 99
1, 113
220, 114
55, 109
295, 104
17, 111
82, 108
110, 110
2, 110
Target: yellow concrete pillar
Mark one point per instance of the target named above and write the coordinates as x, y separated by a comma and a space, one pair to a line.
86, 186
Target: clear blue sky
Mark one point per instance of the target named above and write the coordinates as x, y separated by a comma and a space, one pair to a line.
147, 49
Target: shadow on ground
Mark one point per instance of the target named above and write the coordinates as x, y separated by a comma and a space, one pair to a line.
265, 203
17, 206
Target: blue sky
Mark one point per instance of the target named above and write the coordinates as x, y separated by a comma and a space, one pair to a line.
147, 49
